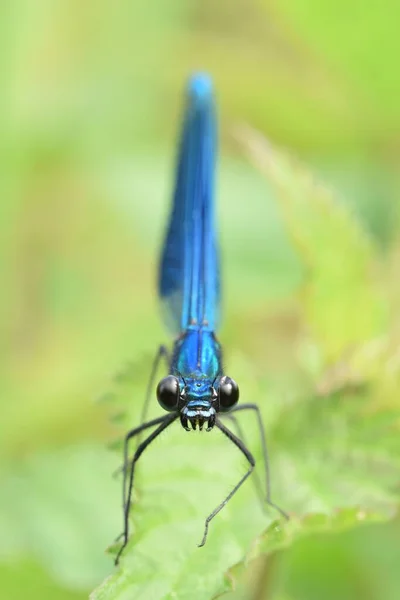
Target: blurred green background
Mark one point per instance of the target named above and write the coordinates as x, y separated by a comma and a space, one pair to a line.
90, 96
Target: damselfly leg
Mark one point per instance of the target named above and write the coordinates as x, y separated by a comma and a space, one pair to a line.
256, 409
162, 352
162, 422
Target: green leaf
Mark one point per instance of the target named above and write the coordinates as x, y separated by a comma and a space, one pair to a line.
325, 558
61, 501
342, 304
28, 579
366, 60
276, 538
182, 477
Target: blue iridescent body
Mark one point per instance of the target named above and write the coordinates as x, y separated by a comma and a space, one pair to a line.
189, 269
196, 391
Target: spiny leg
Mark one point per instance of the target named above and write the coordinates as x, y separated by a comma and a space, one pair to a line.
261, 429
231, 436
162, 352
162, 423
132, 433
256, 479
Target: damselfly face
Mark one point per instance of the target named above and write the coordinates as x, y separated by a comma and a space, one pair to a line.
197, 399
200, 404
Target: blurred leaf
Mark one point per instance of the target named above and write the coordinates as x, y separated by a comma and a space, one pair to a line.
343, 306
27, 579
366, 55
61, 501
276, 538
330, 559
368, 187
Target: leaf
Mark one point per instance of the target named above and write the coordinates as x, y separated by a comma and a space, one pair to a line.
27, 579
363, 70
342, 304
277, 538
327, 455
61, 501
182, 478
360, 458
351, 555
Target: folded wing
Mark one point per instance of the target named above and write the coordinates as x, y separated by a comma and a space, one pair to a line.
189, 267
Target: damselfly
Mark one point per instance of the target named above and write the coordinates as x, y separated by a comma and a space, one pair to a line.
196, 391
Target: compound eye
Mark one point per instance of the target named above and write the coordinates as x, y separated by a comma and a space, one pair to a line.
228, 393
168, 393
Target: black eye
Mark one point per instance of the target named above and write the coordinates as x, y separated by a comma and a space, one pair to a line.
228, 393
168, 393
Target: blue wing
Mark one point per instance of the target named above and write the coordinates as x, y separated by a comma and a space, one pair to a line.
189, 268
